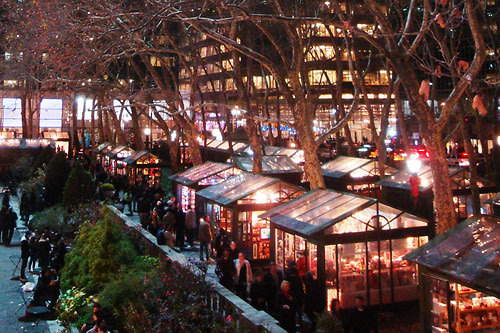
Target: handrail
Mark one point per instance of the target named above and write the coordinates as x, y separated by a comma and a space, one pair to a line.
221, 299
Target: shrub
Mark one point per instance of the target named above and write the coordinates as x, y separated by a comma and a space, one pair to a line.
78, 188
44, 156
57, 173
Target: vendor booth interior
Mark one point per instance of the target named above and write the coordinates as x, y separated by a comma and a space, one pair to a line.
114, 159
354, 174
187, 182
460, 278
353, 244
235, 205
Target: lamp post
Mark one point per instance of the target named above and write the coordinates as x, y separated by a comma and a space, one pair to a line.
147, 133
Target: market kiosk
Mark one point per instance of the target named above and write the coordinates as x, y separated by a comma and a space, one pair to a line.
353, 244
354, 174
187, 182
113, 159
494, 203
397, 191
220, 151
142, 166
235, 205
460, 278
279, 166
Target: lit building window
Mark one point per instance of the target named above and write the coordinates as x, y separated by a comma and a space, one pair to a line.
322, 77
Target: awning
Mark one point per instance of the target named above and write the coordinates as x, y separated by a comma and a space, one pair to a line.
236, 188
468, 253
197, 173
270, 164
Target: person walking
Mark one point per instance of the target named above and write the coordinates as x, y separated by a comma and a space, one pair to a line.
286, 308
362, 319
258, 292
25, 254
313, 300
225, 270
205, 237
243, 276
272, 281
190, 225
3, 225
296, 289
180, 226
11, 224
143, 208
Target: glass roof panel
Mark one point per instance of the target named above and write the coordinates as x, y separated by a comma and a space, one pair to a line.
117, 149
469, 252
343, 165
270, 164
199, 172
316, 211
271, 150
235, 188
214, 143
223, 146
239, 147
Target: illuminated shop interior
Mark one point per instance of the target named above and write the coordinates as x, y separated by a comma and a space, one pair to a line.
461, 278
187, 182
353, 174
235, 205
142, 166
114, 159
353, 244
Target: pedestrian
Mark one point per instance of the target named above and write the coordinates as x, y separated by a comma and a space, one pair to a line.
362, 319
225, 270
258, 292
11, 224
169, 218
190, 225
143, 209
233, 251
221, 243
44, 251
154, 222
243, 276
6, 199
286, 308
272, 281
25, 254
24, 206
340, 315
313, 300
205, 237
180, 226
127, 201
33, 243
296, 289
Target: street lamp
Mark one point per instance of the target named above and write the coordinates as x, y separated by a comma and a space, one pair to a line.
147, 133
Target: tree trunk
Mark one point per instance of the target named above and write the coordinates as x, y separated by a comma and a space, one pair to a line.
24, 106
117, 127
136, 129
192, 139
443, 198
254, 140
92, 124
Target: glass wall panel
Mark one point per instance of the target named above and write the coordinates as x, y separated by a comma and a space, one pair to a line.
279, 250
331, 280
352, 272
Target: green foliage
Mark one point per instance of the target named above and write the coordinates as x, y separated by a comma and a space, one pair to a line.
100, 254
62, 220
74, 307
44, 156
36, 183
106, 187
78, 188
328, 324
22, 169
57, 173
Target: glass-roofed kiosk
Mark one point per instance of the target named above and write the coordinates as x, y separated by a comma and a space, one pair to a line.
279, 166
353, 174
187, 182
235, 205
353, 244
396, 191
460, 276
142, 166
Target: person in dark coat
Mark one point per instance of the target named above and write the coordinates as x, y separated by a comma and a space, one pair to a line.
296, 289
362, 319
143, 209
25, 254
286, 308
11, 224
340, 315
225, 270
258, 292
33, 243
44, 251
313, 300
272, 281
180, 226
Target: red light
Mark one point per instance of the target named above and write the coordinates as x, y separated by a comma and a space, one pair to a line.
426, 154
464, 154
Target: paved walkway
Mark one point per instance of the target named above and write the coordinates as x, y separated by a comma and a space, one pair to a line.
11, 301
